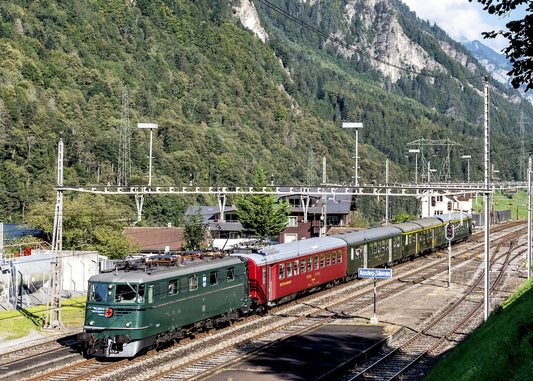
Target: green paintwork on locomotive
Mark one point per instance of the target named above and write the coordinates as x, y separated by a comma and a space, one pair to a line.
168, 302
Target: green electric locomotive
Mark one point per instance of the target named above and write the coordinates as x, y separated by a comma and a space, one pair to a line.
133, 309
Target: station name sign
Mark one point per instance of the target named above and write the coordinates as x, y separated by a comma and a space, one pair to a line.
375, 273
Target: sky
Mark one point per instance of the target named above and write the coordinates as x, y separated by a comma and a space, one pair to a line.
463, 20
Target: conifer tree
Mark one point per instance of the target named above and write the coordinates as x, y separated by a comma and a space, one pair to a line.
262, 214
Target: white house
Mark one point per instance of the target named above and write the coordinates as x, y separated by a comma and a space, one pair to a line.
436, 203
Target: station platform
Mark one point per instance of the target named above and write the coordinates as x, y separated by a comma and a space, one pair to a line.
315, 355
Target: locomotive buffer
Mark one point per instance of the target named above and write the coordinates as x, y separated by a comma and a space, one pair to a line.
375, 273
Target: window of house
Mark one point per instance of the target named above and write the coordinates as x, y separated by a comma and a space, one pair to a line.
293, 222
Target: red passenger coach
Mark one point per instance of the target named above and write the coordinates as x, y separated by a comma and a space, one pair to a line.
279, 273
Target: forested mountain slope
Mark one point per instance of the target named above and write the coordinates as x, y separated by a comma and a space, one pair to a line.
227, 98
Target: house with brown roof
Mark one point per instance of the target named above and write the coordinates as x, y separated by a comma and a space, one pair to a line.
157, 239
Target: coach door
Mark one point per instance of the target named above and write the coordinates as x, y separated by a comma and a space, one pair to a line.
269, 297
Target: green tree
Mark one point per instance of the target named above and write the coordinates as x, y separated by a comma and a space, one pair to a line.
90, 222
262, 214
402, 217
519, 36
194, 231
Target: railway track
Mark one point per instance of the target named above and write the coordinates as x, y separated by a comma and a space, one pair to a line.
211, 350
400, 362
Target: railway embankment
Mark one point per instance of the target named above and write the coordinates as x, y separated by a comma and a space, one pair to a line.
500, 349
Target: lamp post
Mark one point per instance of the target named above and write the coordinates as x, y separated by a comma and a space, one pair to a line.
416, 152
467, 157
356, 126
150, 126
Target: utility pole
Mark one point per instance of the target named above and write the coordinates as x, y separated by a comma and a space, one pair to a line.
528, 218
387, 192
487, 200
124, 160
53, 308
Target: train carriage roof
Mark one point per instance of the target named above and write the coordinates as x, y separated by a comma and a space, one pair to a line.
160, 273
408, 227
455, 216
368, 235
428, 222
292, 250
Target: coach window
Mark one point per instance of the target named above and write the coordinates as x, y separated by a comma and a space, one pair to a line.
173, 287
193, 282
213, 278
303, 267
309, 263
296, 267
163, 287
230, 274
282, 271
289, 269
322, 260
334, 258
339, 256
328, 259
316, 262
184, 285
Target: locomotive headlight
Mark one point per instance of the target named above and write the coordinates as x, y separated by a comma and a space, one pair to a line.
91, 322
128, 324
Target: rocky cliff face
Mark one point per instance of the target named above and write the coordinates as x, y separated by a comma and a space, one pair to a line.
247, 13
388, 42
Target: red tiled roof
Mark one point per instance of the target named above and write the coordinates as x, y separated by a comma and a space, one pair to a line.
157, 238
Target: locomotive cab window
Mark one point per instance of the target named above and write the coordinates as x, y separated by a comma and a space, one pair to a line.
125, 293
98, 292
140, 295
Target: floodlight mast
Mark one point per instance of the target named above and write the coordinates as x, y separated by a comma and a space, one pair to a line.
150, 126
356, 126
